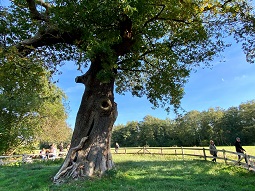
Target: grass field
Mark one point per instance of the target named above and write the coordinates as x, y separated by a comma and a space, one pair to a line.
134, 172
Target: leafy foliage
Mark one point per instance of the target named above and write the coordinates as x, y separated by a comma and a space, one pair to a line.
28, 103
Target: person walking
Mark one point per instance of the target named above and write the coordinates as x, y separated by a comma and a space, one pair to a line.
213, 150
239, 149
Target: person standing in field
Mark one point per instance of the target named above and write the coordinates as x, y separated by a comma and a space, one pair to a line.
116, 147
213, 150
239, 149
61, 149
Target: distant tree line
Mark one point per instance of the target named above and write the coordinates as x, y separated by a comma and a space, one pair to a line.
193, 128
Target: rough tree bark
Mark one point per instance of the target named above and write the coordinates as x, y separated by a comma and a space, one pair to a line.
90, 153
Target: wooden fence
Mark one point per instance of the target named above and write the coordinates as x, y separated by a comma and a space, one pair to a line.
228, 157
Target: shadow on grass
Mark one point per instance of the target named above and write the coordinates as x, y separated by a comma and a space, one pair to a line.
144, 175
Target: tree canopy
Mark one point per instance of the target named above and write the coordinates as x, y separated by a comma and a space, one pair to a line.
152, 44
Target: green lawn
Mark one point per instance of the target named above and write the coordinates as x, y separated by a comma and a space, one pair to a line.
134, 172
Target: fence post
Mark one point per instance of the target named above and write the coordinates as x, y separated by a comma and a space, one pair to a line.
125, 149
204, 153
143, 150
182, 153
224, 156
247, 160
161, 150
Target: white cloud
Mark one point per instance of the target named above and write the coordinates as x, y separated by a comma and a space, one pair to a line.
76, 88
239, 78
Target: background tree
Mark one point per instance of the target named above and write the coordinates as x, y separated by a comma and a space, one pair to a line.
209, 126
126, 135
247, 115
216, 115
163, 132
231, 125
188, 128
53, 115
27, 100
146, 47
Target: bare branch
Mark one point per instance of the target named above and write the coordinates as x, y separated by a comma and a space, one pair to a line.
33, 11
44, 4
176, 20
219, 5
156, 16
131, 70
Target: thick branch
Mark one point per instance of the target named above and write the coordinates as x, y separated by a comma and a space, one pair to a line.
33, 11
44, 4
46, 37
125, 27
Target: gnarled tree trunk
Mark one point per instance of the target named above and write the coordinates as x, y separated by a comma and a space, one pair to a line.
90, 153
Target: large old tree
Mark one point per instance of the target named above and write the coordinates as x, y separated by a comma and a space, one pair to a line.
147, 47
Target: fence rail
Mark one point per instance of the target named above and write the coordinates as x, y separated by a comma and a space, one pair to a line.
228, 157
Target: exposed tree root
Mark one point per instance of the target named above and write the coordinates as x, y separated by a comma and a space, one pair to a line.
70, 168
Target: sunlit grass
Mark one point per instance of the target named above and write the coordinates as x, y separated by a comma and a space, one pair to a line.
176, 152
135, 172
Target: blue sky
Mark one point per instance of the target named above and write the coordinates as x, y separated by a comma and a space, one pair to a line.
225, 84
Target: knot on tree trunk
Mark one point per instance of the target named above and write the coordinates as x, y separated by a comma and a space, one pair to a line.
105, 105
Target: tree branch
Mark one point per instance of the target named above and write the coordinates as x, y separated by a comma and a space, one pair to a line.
219, 5
132, 70
156, 16
176, 20
44, 4
46, 37
33, 11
